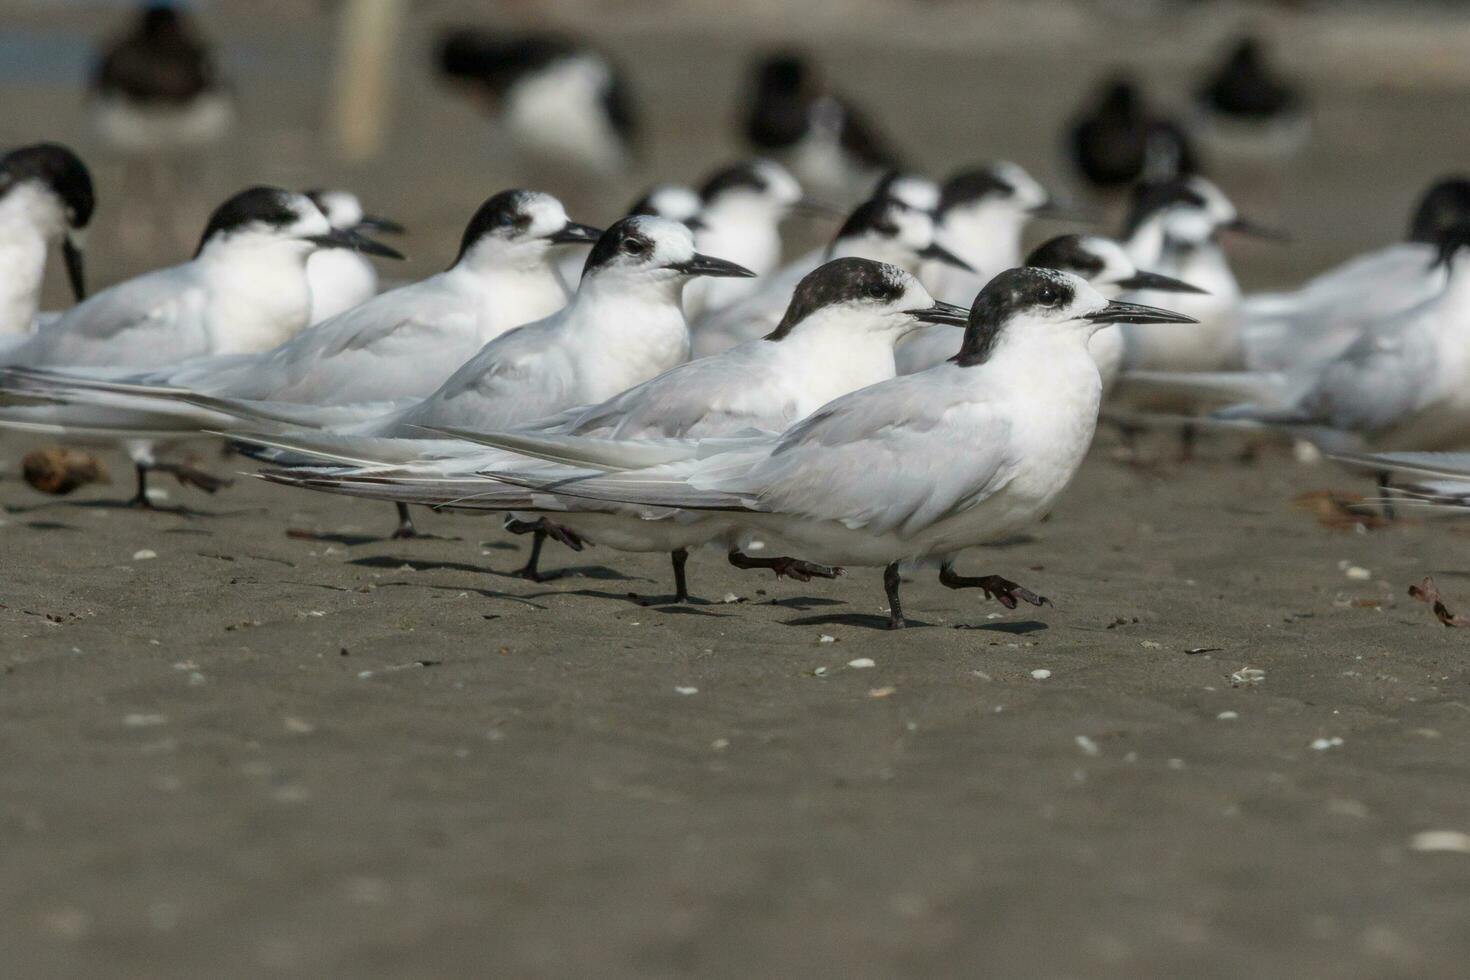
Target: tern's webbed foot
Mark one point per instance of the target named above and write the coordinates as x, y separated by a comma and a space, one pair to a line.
1002, 590
784, 566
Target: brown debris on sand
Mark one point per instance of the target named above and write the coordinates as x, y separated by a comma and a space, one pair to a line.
1427, 591
58, 471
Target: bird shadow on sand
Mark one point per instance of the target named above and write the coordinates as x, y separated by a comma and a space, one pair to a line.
51, 526
800, 603
174, 510
601, 572
861, 620
334, 537
865, 621
654, 603
486, 593
1020, 628
421, 564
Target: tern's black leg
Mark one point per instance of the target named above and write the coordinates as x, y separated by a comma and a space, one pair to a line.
1384, 486
891, 582
1002, 590
680, 557
529, 569
405, 527
802, 571
542, 528
140, 499
1188, 436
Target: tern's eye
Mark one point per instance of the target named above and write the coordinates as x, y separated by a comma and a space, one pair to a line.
1048, 296
878, 291
634, 247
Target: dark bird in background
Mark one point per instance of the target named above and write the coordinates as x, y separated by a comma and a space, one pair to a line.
1118, 139
158, 99
829, 142
552, 97
157, 86
1245, 88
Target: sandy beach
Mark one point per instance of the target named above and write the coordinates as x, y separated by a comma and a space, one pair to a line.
252, 736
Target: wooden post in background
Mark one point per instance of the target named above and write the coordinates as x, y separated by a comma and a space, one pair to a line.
367, 38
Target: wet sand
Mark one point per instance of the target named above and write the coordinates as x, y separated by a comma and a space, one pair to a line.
234, 750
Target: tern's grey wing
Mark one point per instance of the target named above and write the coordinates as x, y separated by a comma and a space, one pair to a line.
1378, 382
893, 457
156, 318
738, 389
518, 377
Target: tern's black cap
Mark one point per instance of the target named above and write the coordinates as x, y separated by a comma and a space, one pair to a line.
969, 186
60, 170
1009, 293
264, 205
505, 214
1444, 205
1152, 197
840, 281
1067, 253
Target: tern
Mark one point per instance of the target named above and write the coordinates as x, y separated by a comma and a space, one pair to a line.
400, 345
743, 207
555, 98
1105, 266
981, 214
1119, 140
829, 142
883, 228
623, 326
46, 199
244, 291
837, 335
923, 466
341, 278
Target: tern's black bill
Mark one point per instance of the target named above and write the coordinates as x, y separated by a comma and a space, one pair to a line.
573, 233
1246, 226
708, 265
372, 222
71, 252
347, 238
1116, 312
946, 313
939, 253
1154, 281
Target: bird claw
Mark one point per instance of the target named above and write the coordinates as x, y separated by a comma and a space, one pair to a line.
1009, 594
802, 571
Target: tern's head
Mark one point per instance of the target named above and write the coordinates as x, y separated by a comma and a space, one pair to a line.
755, 190
999, 188
888, 230
1453, 248
647, 250
673, 201
915, 190
260, 218
344, 210
1189, 211
51, 191
1103, 263
1047, 307
863, 296
1444, 205
516, 229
